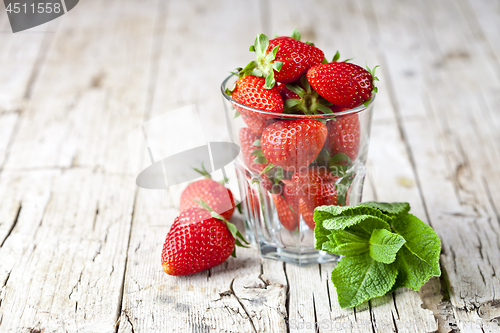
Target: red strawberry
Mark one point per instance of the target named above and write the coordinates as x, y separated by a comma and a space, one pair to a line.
282, 59
247, 140
343, 136
287, 216
315, 187
218, 197
341, 83
196, 241
249, 90
293, 144
297, 57
286, 93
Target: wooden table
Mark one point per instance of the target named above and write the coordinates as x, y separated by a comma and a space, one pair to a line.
80, 244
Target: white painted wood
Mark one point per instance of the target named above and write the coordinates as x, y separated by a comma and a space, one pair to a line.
96, 68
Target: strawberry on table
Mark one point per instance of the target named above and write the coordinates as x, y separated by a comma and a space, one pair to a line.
293, 144
342, 83
282, 59
249, 90
198, 241
216, 195
344, 136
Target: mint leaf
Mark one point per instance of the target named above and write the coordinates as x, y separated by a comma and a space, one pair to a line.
392, 209
345, 243
360, 278
359, 220
325, 213
346, 249
418, 259
384, 245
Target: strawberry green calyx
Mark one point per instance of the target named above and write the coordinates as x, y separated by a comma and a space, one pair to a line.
203, 172
309, 101
238, 237
295, 34
265, 64
374, 78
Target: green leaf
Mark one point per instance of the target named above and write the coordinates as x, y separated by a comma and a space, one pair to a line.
418, 259
236, 114
260, 160
203, 171
359, 220
296, 89
339, 158
272, 55
248, 70
323, 108
267, 168
324, 214
384, 245
270, 81
260, 45
257, 152
295, 34
252, 48
256, 143
336, 56
346, 243
391, 209
324, 61
360, 278
277, 65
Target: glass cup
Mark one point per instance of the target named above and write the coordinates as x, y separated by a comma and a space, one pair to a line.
278, 201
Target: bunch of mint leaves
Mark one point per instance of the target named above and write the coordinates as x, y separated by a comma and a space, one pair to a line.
383, 247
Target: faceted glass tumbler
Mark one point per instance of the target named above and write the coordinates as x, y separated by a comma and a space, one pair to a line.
278, 202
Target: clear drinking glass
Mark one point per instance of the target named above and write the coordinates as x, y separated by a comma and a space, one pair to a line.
278, 205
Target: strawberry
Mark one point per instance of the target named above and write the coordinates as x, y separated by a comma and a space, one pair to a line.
314, 186
216, 195
344, 136
250, 149
287, 216
197, 241
286, 93
282, 59
249, 90
293, 144
342, 83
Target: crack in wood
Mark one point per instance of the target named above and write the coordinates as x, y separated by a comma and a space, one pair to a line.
287, 301
122, 287
372, 316
242, 305
316, 324
95, 216
394, 321
395, 304
14, 223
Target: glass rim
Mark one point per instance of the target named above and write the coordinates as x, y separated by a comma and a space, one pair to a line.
355, 110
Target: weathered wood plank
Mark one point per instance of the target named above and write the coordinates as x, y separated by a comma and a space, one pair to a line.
21, 56
101, 84
64, 260
449, 153
70, 276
